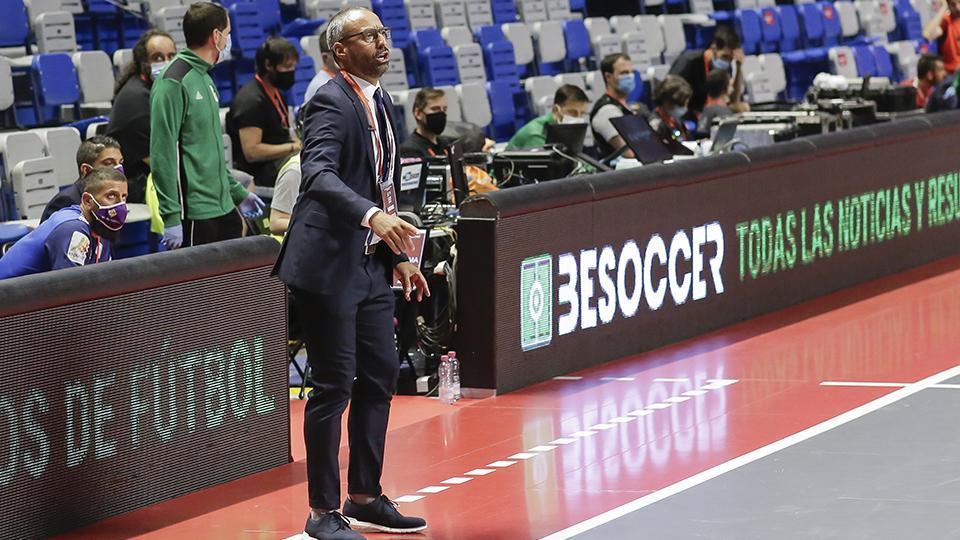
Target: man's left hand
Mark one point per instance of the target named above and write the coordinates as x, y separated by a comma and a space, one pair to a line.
411, 277
252, 206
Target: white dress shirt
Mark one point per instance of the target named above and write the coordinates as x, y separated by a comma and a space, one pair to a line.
369, 89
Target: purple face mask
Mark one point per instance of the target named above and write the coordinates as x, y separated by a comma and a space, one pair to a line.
119, 168
113, 217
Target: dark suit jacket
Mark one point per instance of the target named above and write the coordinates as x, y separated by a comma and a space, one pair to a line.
324, 244
68, 197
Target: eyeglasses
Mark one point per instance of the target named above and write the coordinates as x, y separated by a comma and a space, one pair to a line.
369, 35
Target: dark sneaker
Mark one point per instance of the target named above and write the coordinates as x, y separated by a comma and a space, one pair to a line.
330, 526
381, 516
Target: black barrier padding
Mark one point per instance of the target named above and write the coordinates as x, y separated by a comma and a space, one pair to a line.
942, 119
119, 402
780, 226
546, 195
780, 153
71, 285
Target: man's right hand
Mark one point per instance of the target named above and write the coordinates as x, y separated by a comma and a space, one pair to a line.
173, 236
394, 231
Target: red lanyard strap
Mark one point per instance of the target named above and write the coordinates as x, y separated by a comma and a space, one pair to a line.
378, 145
277, 101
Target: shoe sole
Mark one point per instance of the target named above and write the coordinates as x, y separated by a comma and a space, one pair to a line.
363, 526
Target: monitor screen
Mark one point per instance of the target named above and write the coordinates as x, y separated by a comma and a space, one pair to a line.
571, 136
640, 137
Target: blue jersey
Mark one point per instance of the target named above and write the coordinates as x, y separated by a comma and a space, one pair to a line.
62, 241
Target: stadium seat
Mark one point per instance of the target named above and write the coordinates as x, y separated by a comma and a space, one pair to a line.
876, 17
17, 146
909, 24
503, 123
246, 29
436, 63
882, 62
16, 26
924, 9
674, 39
54, 84
170, 20
456, 35
475, 104
559, 10
504, 11
34, 184
540, 90
303, 74
451, 13
311, 47
393, 15
622, 24
866, 63
396, 76
577, 42
750, 29
790, 28
421, 14
843, 62
454, 110
652, 7
551, 50
595, 85
905, 59
532, 11
6, 84
772, 67
849, 20
576, 79
602, 38
95, 75
498, 54
222, 75
832, 27
469, 57
702, 7
61, 144
55, 32
649, 26
121, 57
10, 233
479, 14
519, 35
771, 29
812, 25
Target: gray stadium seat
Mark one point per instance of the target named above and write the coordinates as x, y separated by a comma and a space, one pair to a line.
454, 110
703, 7
849, 22
674, 39
34, 184
595, 85
61, 144
55, 32
121, 57
95, 74
559, 10
541, 89
757, 82
396, 76
35, 8
649, 27
421, 14
456, 35
550, 44
479, 13
469, 58
451, 13
905, 57
170, 20
519, 34
17, 146
6, 84
843, 62
621, 24
475, 104
924, 8
772, 66
576, 79
532, 11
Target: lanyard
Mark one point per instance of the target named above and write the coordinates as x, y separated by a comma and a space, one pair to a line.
381, 160
618, 100
277, 101
707, 59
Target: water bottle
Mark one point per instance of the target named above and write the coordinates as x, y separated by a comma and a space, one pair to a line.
445, 374
455, 369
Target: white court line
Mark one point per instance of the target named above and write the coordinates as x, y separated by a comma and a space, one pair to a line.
639, 412
567, 378
603, 426
622, 379
750, 457
669, 379
456, 480
691, 393
522, 455
479, 472
658, 406
563, 440
677, 399
500, 464
433, 489
886, 384
584, 433
541, 448
408, 498
621, 420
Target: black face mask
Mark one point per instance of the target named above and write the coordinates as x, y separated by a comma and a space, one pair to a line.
282, 79
101, 230
437, 122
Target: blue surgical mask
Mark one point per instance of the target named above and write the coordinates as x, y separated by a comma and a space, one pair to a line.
225, 53
626, 83
156, 68
720, 63
678, 112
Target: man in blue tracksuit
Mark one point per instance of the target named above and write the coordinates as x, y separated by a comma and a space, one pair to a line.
76, 235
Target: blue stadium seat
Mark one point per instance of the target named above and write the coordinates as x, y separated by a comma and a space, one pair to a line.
578, 43
813, 30
866, 63
10, 233
909, 26
832, 31
129, 31
750, 30
299, 27
883, 63
222, 75
577, 5
16, 27
40, 90
771, 30
246, 28
790, 28
302, 76
504, 11
498, 56
393, 14
436, 64
504, 114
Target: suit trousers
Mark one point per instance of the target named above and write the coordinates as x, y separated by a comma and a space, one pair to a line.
353, 358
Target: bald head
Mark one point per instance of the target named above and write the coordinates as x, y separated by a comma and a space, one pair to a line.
359, 44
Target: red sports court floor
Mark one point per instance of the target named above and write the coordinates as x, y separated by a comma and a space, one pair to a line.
533, 462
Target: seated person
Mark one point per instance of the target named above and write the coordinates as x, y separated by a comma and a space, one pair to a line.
930, 73
944, 96
478, 179
326, 71
130, 117
258, 121
95, 152
944, 27
285, 195
694, 65
718, 101
620, 81
569, 107
76, 235
671, 98
430, 112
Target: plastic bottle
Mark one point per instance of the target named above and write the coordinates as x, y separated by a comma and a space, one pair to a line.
445, 374
455, 364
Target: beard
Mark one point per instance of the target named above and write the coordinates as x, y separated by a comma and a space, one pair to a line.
101, 230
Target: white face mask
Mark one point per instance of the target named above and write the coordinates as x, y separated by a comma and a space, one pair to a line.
156, 68
225, 52
573, 120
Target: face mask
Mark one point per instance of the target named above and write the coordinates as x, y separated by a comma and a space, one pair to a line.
225, 53
112, 217
720, 63
437, 122
156, 68
626, 83
282, 79
573, 120
678, 112
119, 168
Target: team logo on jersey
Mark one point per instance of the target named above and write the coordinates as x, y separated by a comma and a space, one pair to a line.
199, 96
78, 249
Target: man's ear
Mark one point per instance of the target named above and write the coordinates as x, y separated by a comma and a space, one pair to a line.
85, 170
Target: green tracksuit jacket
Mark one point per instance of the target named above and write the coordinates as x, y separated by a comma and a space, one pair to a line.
186, 148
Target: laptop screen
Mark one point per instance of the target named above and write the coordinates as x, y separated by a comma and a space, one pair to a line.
640, 137
571, 136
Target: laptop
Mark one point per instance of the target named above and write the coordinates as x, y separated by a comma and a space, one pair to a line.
570, 136
647, 146
413, 185
724, 136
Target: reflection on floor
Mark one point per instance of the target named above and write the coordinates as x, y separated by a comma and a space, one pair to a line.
532, 462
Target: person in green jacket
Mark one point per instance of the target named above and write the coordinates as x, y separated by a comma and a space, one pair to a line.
570, 105
196, 192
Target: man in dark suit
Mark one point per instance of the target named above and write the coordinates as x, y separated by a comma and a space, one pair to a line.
342, 247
